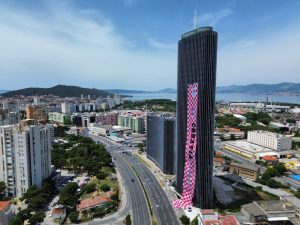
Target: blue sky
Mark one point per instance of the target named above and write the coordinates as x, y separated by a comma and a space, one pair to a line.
132, 44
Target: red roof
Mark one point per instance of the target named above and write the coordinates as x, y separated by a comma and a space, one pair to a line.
4, 205
229, 220
219, 160
93, 202
270, 158
58, 211
223, 220
218, 153
207, 212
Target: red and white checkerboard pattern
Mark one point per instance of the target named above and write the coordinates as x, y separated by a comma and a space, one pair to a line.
190, 149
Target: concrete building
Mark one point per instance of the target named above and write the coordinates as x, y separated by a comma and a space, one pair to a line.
161, 141
36, 100
253, 151
271, 140
60, 118
25, 156
109, 118
269, 212
197, 63
65, 107
135, 122
243, 170
6, 212
8, 118
36, 113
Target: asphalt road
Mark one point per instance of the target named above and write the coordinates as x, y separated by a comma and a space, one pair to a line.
160, 203
140, 211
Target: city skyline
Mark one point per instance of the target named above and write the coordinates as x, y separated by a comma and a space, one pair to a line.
71, 40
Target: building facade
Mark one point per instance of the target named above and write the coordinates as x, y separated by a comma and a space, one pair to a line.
60, 118
271, 140
161, 141
246, 171
25, 156
197, 59
36, 112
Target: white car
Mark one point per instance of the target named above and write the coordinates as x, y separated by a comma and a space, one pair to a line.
50, 216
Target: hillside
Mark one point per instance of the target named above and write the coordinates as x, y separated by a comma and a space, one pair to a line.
59, 90
281, 88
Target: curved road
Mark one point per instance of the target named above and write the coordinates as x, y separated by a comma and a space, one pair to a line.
136, 196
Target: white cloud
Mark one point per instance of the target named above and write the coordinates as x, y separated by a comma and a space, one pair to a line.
272, 58
75, 48
213, 18
159, 45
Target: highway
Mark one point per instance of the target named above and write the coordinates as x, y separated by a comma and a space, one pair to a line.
136, 197
160, 203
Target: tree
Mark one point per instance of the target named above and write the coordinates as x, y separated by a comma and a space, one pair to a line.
74, 217
297, 194
104, 187
89, 188
38, 217
68, 195
15, 221
24, 215
101, 175
128, 220
2, 187
185, 220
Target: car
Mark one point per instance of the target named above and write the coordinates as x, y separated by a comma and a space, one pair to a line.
50, 216
132, 180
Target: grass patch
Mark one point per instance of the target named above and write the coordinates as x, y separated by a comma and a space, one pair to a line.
267, 196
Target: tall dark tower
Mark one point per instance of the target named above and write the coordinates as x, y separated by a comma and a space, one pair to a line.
197, 60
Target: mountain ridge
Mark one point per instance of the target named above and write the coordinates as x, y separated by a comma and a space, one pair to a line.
58, 90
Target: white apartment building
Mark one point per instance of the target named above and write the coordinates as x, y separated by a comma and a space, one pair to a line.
25, 156
271, 140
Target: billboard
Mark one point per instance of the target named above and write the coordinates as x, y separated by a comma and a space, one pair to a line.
190, 149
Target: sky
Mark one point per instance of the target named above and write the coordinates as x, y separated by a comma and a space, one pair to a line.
132, 44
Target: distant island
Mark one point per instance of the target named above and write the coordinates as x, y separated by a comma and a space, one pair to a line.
75, 91
278, 89
59, 90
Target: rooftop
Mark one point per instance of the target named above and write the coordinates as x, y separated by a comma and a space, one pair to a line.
245, 166
223, 220
4, 205
196, 31
93, 202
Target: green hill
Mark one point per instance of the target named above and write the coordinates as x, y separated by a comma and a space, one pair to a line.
58, 90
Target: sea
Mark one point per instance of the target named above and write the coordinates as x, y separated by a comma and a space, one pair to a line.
228, 97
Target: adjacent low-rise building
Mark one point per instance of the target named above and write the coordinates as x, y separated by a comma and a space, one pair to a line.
269, 212
60, 118
244, 170
6, 212
271, 140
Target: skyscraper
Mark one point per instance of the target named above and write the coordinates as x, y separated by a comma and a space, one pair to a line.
197, 58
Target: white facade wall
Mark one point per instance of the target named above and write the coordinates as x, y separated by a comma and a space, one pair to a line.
25, 156
274, 141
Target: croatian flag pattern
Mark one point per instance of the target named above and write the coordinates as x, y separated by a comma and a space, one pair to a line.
190, 149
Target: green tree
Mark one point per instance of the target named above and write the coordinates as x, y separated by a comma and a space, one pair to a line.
104, 187
74, 217
185, 220
128, 220
37, 217
15, 221
101, 175
89, 188
68, 195
297, 194
2, 187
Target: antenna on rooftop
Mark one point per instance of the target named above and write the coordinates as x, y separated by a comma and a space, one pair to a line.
195, 19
